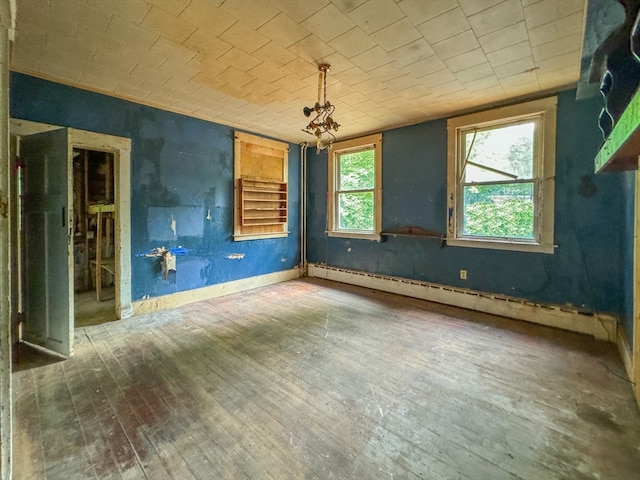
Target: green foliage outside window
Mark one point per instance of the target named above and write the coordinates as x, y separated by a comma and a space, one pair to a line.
356, 182
505, 206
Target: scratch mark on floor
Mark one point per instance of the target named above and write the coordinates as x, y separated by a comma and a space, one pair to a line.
375, 398
326, 327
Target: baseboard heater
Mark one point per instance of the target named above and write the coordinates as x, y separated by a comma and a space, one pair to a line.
602, 327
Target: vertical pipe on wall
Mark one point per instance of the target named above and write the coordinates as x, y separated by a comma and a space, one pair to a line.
303, 207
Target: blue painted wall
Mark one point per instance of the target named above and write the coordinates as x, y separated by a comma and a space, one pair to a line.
180, 166
590, 268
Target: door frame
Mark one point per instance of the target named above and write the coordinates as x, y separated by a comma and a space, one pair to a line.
120, 147
7, 25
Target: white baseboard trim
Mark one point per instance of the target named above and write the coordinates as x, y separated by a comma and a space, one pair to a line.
625, 351
602, 327
155, 304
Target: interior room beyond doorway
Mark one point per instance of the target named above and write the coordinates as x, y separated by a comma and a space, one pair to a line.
93, 236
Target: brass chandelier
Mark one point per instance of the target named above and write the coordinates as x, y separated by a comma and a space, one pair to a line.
322, 122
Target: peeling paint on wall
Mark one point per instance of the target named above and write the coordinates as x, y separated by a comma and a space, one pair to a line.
173, 224
235, 256
167, 258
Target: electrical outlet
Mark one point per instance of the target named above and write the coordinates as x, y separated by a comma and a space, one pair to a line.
463, 274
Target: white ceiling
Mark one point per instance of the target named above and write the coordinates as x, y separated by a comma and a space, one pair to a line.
252, 64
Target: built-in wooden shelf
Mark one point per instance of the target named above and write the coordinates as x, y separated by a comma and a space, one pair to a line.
262, 202
620, 151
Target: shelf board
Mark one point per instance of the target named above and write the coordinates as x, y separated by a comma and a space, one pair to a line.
246, 223
257, 209
621, 149
101, 208
264, 190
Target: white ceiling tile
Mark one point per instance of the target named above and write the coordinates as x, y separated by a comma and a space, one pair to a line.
374, 15
300, 10
426, 66
419, 11
396, 35
162, 23
253, 13
311, 49
444, 26
484, 83
372, 58
328, 23
244, 38
552, 31
547, 11
474, 73
504, 37
274, 53
240, 59
456, 45
496, 18
387, 72
283, 30
556, 47
509, 54
471, 7
174, 7
131, 10
353, 76
353, 42
466, 60
438, 78
412, 52
206, 15
346, 5
524, 65
201, 42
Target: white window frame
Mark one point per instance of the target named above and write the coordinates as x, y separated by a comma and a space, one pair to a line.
544, 111
347, 146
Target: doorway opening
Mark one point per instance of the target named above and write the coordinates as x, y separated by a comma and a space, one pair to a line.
68, 260
94, 214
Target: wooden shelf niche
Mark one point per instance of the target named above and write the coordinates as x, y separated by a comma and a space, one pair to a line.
262, 203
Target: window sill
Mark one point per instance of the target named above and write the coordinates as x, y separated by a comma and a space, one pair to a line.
374, 237
259, 236
502, 245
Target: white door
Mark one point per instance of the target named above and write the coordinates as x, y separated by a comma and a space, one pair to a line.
48, 248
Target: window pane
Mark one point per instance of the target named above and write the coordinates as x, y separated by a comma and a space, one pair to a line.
498, 210
357, 170
355, 211
499, 154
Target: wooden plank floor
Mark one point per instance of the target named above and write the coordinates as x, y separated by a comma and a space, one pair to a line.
316, 380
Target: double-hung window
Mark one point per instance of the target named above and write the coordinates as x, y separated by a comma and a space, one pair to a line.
500, 178
355, 186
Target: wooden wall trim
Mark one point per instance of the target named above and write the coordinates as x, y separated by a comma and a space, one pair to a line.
602, 327
625, 352
635, 353
190, 296
7, 17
